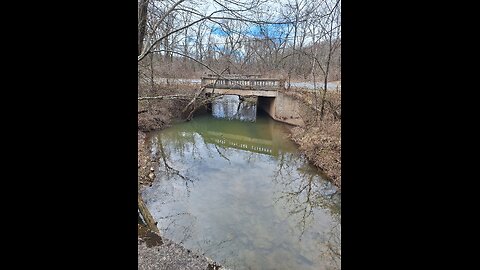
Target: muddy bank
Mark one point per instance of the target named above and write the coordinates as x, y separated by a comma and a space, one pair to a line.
156, 115
154, 119
159, 114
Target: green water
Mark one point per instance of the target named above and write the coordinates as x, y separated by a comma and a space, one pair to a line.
241, 194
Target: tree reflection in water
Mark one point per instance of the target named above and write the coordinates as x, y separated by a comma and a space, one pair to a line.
192, 157
302, 194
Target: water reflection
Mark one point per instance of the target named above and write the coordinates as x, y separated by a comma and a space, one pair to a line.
240, 193
303, 191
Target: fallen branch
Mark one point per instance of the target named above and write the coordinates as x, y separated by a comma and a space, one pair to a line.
202, 103
147, 217
198, 94
168, 97
193, 99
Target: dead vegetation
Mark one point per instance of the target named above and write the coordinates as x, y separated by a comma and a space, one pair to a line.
320, 140
156, 114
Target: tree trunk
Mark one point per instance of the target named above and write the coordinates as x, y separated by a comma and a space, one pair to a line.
142, 23
147, 217
327, 69
185, 49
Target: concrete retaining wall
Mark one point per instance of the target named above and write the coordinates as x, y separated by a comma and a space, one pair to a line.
282, 108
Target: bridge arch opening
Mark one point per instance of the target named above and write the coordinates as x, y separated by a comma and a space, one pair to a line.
265, 92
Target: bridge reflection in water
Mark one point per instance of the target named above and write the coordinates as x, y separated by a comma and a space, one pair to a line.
241, 142
240, 134
233, 107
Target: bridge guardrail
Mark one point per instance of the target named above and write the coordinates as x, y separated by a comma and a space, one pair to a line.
243, 83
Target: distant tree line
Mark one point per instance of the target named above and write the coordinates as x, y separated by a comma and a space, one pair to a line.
294, 39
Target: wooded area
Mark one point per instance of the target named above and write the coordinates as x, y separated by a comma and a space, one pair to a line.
294, 39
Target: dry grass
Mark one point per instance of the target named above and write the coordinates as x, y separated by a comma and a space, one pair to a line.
320, 140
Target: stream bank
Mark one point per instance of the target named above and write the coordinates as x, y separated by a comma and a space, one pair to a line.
320, 139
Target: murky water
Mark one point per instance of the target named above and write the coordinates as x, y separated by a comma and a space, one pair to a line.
240, 193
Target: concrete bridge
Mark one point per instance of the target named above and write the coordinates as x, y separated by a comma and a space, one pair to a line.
246, 85
278, 105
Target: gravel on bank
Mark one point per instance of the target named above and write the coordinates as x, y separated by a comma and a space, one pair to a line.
170, 255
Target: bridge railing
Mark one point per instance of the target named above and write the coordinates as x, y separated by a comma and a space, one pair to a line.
243, 83
234, 75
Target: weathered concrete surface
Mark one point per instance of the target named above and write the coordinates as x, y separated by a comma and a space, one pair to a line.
282, 108
240, 92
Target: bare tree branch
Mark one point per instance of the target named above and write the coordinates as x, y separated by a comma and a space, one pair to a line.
167, 97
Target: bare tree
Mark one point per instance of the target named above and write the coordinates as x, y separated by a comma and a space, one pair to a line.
142, 23
297, 38
330, 30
